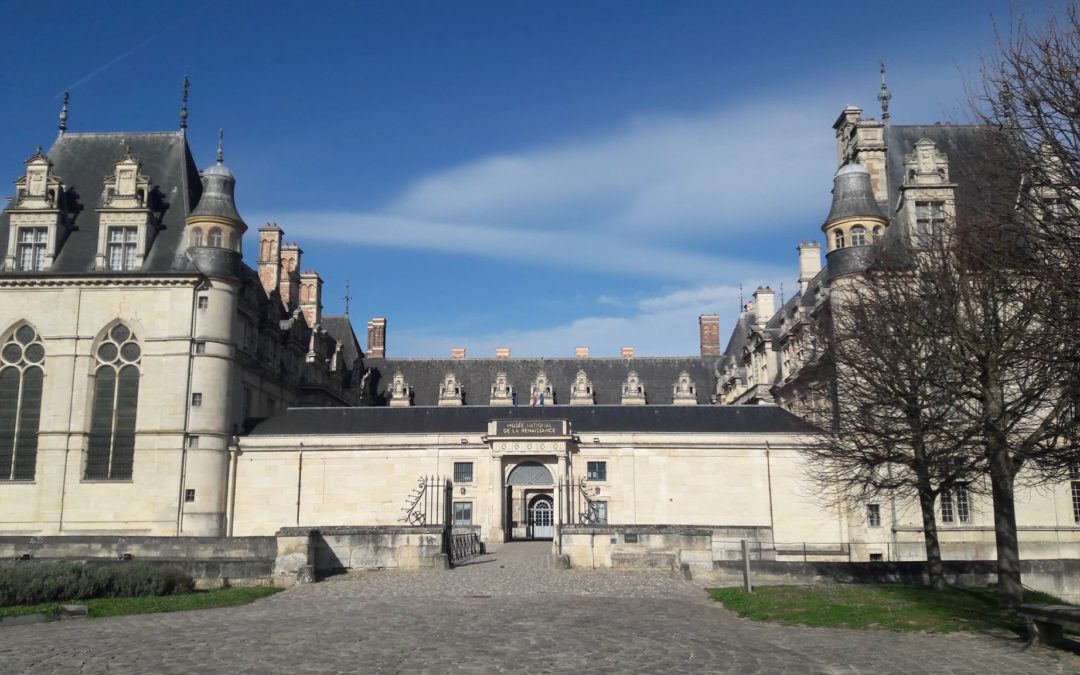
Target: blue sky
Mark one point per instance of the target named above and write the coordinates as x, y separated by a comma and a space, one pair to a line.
537, 175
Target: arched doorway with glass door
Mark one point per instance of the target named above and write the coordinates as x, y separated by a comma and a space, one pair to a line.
530, 502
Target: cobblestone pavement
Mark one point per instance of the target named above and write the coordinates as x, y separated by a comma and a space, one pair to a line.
507, 611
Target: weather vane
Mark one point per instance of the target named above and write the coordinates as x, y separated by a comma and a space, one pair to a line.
347, 297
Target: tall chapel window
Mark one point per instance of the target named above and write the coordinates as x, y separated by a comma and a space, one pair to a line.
31, 248
111, 452
122, 244
21, 376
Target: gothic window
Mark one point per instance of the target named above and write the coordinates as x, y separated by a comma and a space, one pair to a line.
858, 236
31, 248
196, 237
121, 247
111, 452
21, 376
838, 240
215, 238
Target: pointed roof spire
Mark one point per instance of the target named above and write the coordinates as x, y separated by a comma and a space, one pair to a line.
884, 96
183, 103
220, 146
64, 114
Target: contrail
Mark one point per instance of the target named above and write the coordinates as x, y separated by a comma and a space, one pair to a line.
132, 50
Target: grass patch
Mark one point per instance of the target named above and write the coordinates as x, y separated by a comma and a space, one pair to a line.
901, 608
100, 607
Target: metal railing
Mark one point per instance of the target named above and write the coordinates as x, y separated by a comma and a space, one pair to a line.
464, 545
428, 503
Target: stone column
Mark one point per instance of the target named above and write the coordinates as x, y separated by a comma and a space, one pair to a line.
497, 495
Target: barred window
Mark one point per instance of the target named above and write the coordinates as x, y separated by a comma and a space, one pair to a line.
122, 244
1076, 501
111, 451
463, 472
31, 248
21, 376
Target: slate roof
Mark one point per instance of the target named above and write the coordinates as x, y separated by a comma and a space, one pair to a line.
476, 376
82, 162
732, 419
341, 328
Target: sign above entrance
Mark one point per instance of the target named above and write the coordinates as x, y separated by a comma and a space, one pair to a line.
531, 428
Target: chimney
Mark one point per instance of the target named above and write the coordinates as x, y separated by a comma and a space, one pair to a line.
764, 306
627, 352
809, 263
709, 327
289, 284
311, 297
457, 353
581, 352
502, 352
270, 257
376, 338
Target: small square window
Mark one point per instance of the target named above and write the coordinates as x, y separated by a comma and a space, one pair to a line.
204, 302
200, 347
189, 495
463, 472
196, 400
597, 471
462, 513
193, 441
877, 557
599, 512
873, 515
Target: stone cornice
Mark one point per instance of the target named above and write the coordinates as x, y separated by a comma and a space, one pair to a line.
80, 282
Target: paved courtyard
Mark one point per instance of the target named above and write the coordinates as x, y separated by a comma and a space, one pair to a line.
507, 611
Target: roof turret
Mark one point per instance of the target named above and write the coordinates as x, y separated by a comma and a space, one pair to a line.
219, 184
853, 196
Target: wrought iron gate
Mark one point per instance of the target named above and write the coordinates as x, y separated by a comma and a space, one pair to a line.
431, 504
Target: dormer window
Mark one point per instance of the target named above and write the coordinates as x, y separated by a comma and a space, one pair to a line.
32, 247
929, 220
127, 225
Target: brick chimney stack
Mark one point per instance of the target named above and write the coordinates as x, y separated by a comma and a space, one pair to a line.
270, 257
376, 338
310, 300
709, 328
457, 353
581, 352
809, 263
289, 281
627, 352
502, 352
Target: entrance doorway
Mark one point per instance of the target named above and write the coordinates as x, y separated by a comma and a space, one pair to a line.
542, 517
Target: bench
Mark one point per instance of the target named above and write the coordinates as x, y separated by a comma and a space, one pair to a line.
1046, 622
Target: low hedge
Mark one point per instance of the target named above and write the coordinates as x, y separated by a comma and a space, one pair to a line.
59, 582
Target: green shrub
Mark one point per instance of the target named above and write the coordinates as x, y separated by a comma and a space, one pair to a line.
60, 582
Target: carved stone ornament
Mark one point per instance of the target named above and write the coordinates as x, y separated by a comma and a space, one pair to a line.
581, 391
450, 391
633, 390
540, 391
684, 391
502, 393
400, 391
927, 165
37, 188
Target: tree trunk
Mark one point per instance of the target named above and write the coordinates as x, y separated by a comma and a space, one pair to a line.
1010, 588
934, 569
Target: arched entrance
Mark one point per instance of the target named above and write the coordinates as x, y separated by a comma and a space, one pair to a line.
530, 503
542, 517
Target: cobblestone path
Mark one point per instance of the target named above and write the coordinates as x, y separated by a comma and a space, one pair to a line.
506, 611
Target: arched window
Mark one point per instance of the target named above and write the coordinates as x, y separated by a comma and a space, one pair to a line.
858, 236
838, 240
215, 239
196, 237
877, 233
21, 377
111, 452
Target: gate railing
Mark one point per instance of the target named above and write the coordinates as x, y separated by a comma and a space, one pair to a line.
580, 508
429, 503
464, 545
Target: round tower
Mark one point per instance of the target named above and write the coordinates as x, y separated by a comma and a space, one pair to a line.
855, 222
214, 231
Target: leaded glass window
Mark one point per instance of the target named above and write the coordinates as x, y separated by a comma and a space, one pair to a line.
122, 245
111, 451
22, 358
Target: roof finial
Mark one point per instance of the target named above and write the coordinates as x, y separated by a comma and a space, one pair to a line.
220, 142
183, 103
347, 297
64, 114
884, 96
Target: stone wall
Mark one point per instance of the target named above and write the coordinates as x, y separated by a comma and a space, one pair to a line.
1057, 577
663, 547
335, 549
211, 561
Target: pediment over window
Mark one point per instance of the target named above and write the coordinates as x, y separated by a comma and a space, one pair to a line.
926, 165
450, 392
581, 391
684, 391
38, 188
502, 392
126, 187
633, 390
400, 391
